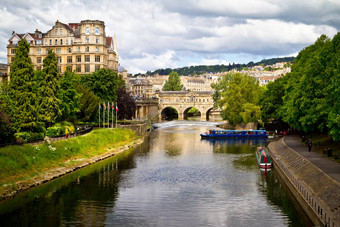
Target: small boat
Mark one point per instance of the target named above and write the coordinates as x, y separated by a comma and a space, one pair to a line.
235, 134
263, 158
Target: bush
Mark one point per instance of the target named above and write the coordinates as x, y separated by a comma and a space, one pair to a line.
28, 136
60, 128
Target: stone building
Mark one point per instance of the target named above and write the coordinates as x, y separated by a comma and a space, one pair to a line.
140, 88
3, 72
82, 46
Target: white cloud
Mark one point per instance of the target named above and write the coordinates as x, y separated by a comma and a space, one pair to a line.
155, 34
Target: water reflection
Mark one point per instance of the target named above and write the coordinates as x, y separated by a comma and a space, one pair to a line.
174, 179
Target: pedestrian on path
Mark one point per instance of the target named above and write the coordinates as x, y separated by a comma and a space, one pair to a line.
310, 144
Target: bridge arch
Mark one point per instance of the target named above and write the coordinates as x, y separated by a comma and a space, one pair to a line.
182, 101
164, 113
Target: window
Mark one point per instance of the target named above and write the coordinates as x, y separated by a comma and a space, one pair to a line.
69, 59
58, 50
87, 68
97, 58
78, 49
39, 60
47, 51
13, 51
87, 31
87, 49
46, 42
12, 59
87, 58
97, 49
59, 59
38, 42
61, 31
15, 42
66, 41
59, 69
71, 41
69, 50
78, 68
97, 67
97, 40
97, 31
56, 42
39, 67
56, 31
38, 51
78, 58
87, 40
61, 42
50, 41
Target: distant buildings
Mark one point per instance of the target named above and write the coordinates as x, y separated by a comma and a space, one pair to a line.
84, 46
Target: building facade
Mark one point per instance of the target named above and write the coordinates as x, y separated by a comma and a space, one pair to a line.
84, 47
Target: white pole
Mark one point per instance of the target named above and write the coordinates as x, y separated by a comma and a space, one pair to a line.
99, 116
104, 115
112, 113
108, 115
116, 114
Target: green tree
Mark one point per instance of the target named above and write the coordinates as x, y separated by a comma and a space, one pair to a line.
24, 114
103, 83
271, 101
237, 95
70, 98
173, 83
48, 86
88, 104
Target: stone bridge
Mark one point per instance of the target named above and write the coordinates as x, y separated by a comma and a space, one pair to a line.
183, 101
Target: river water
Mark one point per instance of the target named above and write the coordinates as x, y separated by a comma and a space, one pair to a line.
173, 179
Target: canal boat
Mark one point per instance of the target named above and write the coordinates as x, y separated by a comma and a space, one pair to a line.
263, 158
235, 134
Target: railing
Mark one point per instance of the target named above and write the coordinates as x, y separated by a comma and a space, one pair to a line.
51, 138
319, 208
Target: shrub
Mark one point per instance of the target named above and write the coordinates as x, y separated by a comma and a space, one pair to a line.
28, 136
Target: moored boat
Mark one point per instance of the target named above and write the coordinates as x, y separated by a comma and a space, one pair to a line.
235, 134
263, 158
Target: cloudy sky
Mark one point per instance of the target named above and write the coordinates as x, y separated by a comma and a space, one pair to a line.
153, 34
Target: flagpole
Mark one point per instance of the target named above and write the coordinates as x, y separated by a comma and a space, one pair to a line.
108, 115
99, 116
112, 113
116, 115
104, 115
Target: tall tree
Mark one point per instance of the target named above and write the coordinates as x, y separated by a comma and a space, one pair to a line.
237, 95
49, 104
21, 91
88, 110
126, 104
173, 83
68, 95
103, 83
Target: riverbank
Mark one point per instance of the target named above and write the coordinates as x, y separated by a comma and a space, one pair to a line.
26, 166
317, 193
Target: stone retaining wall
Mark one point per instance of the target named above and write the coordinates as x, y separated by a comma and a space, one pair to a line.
139, 129
318, 194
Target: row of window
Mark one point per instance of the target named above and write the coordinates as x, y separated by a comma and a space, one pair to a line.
69, 59
78, 68
87, 30
58, 50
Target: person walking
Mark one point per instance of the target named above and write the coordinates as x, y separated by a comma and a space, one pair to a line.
310, 144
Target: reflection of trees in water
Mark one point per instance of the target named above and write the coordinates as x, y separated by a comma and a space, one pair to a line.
279, 196
245, 162
78, 196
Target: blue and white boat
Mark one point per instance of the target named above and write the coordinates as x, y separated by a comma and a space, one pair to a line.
235, 134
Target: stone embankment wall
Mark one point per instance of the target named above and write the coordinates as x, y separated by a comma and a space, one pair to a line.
139, 129
318, 194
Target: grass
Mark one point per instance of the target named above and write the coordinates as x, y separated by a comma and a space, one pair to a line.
27, 161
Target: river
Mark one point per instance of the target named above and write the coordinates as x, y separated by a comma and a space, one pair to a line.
174, 179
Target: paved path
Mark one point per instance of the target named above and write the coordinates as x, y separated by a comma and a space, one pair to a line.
326, 165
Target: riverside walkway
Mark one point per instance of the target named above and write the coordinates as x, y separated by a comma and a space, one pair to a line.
313, 179
331, 168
